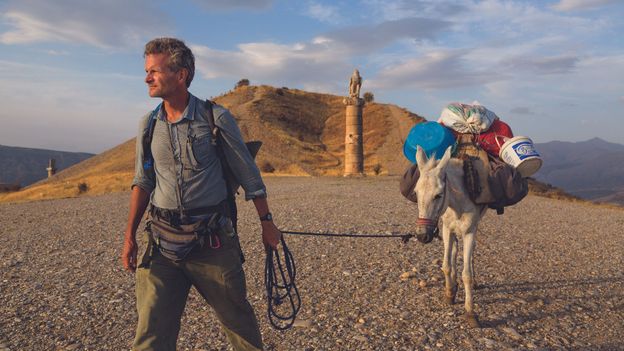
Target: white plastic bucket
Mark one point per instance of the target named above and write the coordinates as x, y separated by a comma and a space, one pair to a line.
521, 154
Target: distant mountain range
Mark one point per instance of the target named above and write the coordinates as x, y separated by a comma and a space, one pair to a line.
592, 169
24, 166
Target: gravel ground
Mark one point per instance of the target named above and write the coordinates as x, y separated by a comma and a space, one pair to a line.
551, 275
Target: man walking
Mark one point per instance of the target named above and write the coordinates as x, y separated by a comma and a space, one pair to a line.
190, 241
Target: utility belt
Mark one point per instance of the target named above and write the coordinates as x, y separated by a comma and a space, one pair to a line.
175, 217
176, 235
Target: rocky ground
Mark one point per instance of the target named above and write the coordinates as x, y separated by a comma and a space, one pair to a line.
550, 271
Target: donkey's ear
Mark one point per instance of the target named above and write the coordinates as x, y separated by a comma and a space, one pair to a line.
445, 159
421, 158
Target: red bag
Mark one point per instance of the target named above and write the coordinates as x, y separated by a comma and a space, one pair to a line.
488, 139
494, 137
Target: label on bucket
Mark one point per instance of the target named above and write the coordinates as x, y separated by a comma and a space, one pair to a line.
524, 150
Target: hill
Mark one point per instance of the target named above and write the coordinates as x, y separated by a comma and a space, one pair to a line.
302, 134
25, 166
592, 169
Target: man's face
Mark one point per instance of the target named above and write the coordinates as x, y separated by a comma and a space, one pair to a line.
161, 81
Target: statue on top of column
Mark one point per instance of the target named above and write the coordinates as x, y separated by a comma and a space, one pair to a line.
354, 90
355, 84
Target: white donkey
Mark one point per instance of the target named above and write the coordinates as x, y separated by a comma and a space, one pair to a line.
442, 195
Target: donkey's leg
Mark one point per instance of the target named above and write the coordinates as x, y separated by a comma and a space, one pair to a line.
475, 286
448, 265
467, 277
454, 251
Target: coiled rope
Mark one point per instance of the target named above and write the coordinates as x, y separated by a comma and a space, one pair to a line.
280, 286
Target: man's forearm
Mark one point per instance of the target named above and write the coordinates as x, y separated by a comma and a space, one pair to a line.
262, 205
270, 233
139, 199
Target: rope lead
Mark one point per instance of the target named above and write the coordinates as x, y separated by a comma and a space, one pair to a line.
281, 287
404, 237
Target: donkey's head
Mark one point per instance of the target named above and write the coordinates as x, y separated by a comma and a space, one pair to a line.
431, 191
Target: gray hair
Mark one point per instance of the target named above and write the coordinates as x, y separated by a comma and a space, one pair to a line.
180, 56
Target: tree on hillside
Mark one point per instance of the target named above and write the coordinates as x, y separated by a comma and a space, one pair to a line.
242, 83
369, 97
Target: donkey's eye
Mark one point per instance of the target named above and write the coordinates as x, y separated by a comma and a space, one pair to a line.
437, 196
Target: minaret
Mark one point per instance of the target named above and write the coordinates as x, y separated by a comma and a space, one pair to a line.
354, 151
51, 169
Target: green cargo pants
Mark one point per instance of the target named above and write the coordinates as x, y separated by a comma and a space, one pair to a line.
162, 287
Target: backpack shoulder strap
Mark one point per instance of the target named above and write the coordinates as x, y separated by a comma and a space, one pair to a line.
211, 122
218, 144
146, 139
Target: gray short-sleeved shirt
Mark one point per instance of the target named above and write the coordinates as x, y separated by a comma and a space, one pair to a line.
187, 170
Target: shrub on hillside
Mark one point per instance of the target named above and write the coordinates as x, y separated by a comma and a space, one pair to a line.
377, 169
267, 167
242, 83
82, 188
7, 188
369, 97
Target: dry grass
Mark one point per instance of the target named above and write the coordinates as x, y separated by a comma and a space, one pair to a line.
96, 185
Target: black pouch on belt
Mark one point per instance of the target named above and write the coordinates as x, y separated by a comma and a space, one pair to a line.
176, 242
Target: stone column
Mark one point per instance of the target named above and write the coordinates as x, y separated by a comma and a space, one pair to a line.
354, 150
51, 169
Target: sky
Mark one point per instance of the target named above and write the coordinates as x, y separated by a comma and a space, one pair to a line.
72, 71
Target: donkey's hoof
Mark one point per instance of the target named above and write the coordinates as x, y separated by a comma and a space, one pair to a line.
473, 321
449, 300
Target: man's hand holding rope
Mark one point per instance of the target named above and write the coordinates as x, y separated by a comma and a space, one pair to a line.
270, 234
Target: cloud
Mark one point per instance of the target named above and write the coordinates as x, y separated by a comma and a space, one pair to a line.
105, 24
390, 10
366, 39
521, 111
572, 5
311, 66
543, 65
324, 13
57, 52
67, 109
235, 4
435, 70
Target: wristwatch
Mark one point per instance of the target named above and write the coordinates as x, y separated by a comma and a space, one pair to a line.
267, 217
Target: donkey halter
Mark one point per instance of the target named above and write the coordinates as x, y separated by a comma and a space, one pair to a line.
429, 222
